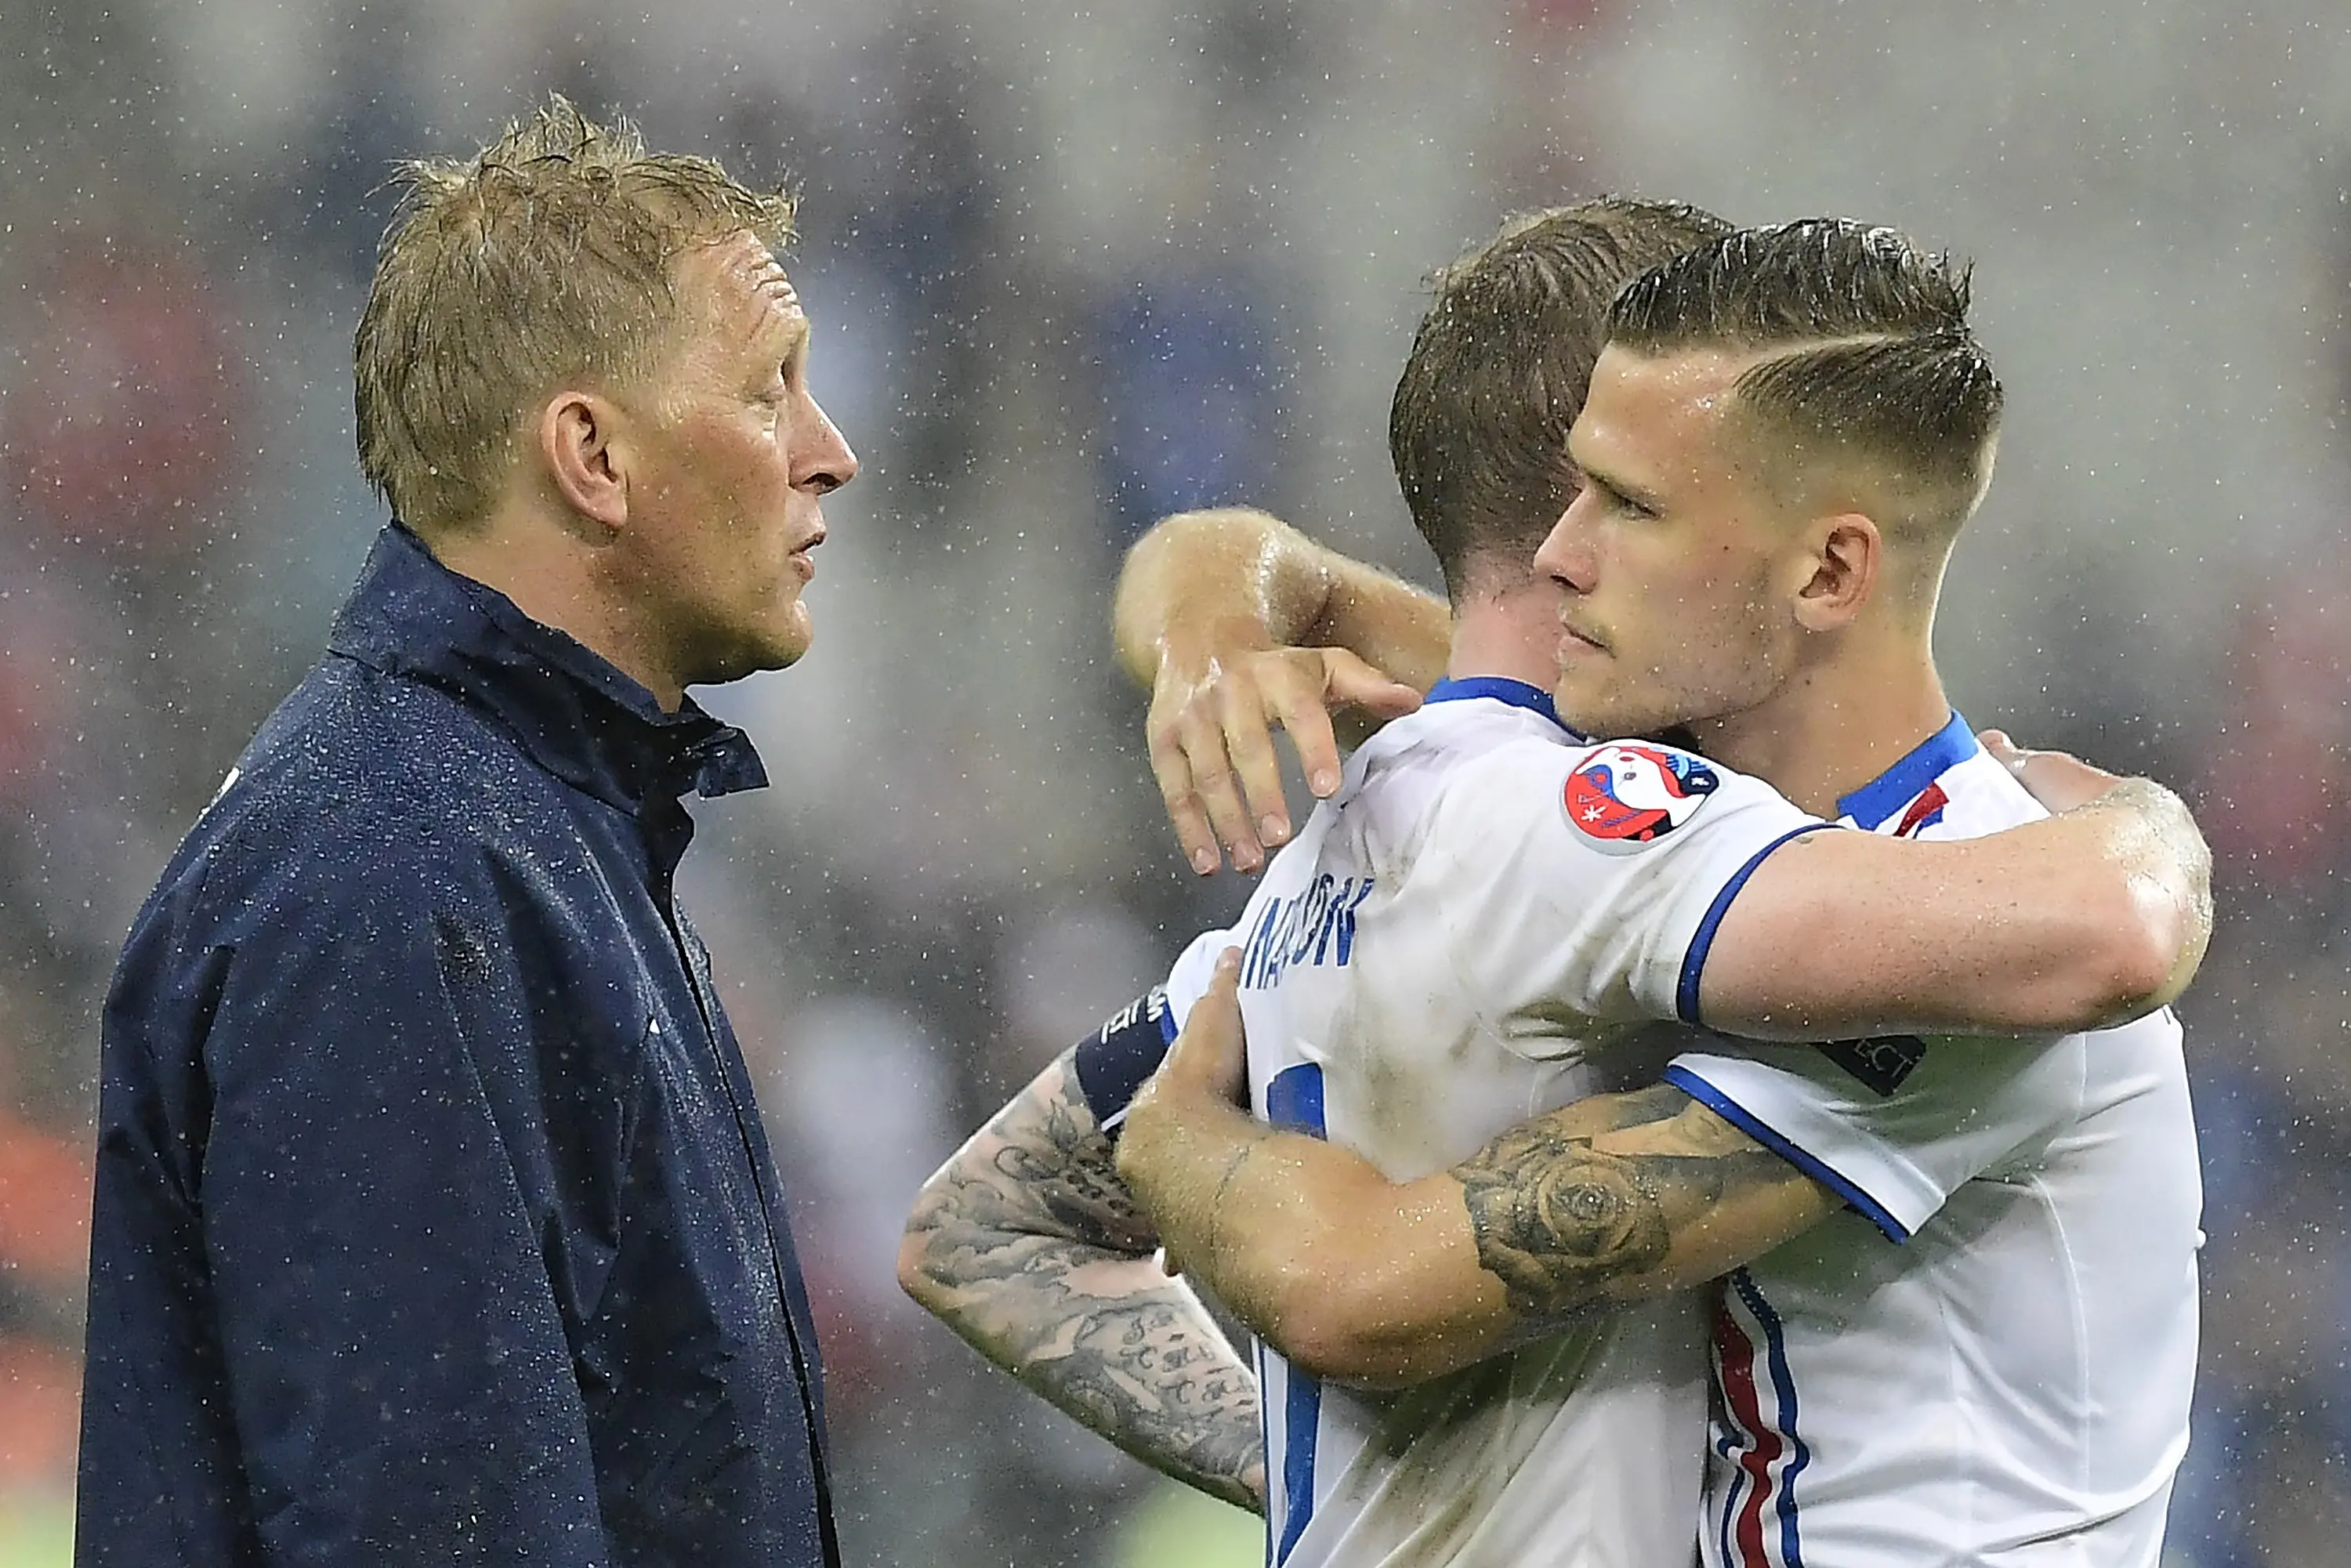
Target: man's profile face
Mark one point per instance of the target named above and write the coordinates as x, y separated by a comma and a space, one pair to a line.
734, 460
1671, 557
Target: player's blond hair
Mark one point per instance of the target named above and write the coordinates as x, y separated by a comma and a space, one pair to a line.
545, 259
1478, 429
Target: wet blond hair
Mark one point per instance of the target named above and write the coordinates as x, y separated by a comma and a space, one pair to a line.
543, 260
1478, 429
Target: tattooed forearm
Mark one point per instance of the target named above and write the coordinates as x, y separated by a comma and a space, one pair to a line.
1567, 1226
1029, 1247
1555, 1221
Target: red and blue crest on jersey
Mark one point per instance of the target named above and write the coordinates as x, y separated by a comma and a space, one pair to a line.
1627, 793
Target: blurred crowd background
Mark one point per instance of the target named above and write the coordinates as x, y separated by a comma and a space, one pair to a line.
1074, 267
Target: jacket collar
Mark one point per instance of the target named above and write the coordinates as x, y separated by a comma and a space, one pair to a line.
575, 715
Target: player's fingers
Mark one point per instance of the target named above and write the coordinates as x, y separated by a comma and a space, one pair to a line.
2058, 780
1212, 781
1298, 705
1209, 1050
1351, 682
2062, 782
1224, 1035
1246, 711
1173, 769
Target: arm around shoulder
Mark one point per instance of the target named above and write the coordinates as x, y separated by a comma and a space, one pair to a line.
1214, 612
2080, 921
1383, 1284
1242, 577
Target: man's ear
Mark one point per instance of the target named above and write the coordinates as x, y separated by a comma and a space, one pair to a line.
1847, 558
578, 439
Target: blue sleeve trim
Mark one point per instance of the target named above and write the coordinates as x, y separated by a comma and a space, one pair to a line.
1739, 1116
1119, 1058
1694, 962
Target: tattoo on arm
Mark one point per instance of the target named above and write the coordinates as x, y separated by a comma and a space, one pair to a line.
1033, 1251
1565, 1226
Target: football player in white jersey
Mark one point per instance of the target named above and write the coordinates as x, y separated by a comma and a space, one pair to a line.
1960, 1325
1027, 1243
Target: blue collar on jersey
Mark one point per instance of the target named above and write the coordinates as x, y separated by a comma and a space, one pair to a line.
1901, 784
1501, 688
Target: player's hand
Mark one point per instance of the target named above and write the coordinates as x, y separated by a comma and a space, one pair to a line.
1208, 1060
1211, 737
2058, 780
1210, 1056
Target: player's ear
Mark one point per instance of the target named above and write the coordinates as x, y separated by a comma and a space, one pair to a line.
580, 441
1846, 556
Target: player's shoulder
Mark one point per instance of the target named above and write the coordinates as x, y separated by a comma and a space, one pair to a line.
1398, 779
1444, 736
1615, 793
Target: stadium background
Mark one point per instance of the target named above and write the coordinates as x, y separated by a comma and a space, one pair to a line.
1073, 267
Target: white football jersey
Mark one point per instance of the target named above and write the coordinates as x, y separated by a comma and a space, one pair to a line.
1985, 1359
1478, 926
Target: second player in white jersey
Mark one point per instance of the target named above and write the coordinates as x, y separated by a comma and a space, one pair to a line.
1476, 927
2002, 1376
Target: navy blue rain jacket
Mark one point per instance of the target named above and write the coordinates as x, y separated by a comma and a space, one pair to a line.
434, 1221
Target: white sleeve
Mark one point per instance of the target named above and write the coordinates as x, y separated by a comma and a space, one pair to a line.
1894, 1125
1597, 874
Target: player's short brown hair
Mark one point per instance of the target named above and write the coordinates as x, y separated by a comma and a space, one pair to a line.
546, 257
1498, 368
1867, 355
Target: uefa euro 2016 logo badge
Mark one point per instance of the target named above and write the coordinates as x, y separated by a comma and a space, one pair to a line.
1625, 794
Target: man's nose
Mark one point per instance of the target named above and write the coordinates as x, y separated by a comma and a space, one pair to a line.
830, 464
1566, 556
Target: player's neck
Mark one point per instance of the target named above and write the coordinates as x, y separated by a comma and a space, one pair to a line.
1512, 633
1839, 724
